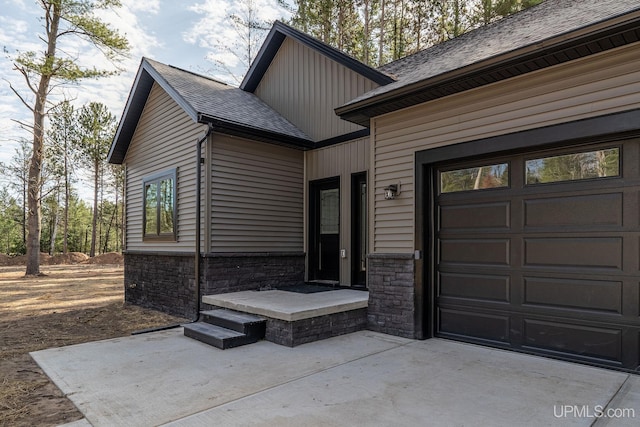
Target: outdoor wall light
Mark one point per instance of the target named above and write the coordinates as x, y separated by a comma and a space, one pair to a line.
392, 191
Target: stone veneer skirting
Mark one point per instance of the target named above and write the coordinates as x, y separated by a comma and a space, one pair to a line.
161, 281
165, 281
234, 272
318, 328
391, 288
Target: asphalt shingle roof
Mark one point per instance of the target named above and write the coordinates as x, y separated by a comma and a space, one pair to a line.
532, 26
229, 104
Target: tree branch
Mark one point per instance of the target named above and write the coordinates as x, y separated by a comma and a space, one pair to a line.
24, 102
23, 125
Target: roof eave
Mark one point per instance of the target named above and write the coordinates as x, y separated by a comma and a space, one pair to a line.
360, 112
236, 129
133, 108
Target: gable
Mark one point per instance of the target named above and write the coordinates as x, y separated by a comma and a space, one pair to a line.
228, 109
163, 140
305, 86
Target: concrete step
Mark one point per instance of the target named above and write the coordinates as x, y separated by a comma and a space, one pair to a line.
248, 324
217, 336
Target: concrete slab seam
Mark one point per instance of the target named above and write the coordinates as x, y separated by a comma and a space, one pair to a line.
601, 421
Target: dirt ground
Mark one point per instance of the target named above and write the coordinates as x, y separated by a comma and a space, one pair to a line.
72, 304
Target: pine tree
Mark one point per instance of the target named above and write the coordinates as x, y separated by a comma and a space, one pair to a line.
97, 127
44, 71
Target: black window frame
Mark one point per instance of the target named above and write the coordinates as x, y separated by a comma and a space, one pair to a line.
567, 152
157, 179
474, 165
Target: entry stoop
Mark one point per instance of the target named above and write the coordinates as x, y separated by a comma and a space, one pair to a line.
295, 318
224, 328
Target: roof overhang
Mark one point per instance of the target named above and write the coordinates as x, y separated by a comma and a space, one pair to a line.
255, 134
584, 42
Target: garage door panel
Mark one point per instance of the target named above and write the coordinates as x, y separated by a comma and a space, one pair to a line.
589, 295
578, 212
550, 266
474, 286
574, 252
583, 340
475, 251
475, 216
466, 323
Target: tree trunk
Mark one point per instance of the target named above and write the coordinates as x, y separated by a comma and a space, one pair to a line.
367, 35
94, 222
381, 39
67, 196
33, 191
24, 212
35, 165
54, 228
115, 208
108, 231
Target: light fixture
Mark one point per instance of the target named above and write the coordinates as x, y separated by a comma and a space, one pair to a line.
392, 191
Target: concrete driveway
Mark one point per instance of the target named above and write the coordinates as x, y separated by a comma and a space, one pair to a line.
365, 378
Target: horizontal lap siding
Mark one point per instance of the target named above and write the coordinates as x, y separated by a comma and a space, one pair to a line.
164, 139
336, 160
603, 84
340, 160
257, 197
305, 87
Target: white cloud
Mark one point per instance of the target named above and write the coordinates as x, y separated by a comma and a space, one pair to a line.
148, 6
19, 33
215, 33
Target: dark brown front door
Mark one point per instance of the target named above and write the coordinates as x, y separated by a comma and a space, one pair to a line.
324, 230
540, 252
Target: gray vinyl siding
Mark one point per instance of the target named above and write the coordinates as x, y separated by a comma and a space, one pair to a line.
305, 86
601, 84
164, 139
341, 160
256, 196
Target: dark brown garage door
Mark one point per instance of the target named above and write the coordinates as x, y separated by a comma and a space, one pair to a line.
539, 252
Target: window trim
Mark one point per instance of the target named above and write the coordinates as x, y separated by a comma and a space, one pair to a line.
474, 165
157, 179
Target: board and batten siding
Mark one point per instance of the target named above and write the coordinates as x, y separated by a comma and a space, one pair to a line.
601, 84
256, 196
342, 160
305, 86
164, 139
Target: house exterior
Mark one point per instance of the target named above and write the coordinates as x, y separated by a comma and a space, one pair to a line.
486, 189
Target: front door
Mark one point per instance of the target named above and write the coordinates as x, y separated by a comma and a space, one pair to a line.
324, 230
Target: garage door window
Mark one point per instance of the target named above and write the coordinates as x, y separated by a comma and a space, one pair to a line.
476, 178
575, 166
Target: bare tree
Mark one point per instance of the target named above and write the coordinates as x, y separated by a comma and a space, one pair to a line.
250, 31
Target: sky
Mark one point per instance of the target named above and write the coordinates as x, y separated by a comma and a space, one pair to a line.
180, 33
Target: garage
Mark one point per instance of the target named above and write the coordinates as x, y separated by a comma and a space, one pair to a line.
539, 251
